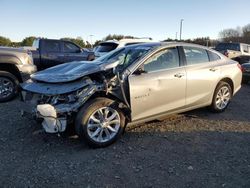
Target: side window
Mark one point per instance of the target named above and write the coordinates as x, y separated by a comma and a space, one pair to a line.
52, 46
165, 59
70, 48
213, 56
195, 55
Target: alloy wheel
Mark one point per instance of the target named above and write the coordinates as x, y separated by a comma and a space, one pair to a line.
223, 97
103, 124
6, 87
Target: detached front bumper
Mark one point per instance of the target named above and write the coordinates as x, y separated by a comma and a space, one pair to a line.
51, 121
56, 104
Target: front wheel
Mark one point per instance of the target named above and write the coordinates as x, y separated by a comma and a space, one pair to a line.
100, 122
8, 86
222, 97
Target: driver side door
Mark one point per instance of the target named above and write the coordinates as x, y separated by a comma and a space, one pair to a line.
162, 86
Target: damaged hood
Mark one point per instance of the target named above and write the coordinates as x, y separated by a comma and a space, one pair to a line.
68, 72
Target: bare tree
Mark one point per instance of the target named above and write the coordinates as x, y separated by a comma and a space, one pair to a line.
228, 35
246, 30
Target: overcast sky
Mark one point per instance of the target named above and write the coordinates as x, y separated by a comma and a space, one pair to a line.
158, 19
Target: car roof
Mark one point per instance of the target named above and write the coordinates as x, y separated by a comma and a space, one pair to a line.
165, 44
128, 41
159, 45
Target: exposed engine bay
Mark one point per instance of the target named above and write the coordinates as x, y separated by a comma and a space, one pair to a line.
57, 103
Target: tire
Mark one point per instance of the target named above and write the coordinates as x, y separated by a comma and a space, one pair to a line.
222, 97
93, 122
8, 86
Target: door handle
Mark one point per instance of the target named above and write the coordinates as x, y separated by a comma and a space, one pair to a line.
213, 69
179, 75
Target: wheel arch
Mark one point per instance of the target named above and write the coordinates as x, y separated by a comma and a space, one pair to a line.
229, 81
122, 106
11, 68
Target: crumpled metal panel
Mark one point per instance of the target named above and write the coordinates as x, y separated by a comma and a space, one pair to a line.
66, 72
55, 89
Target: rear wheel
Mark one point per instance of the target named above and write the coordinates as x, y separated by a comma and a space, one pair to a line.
8, 86
100, 122
222, 97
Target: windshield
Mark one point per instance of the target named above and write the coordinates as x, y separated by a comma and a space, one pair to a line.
106, 47
124, 56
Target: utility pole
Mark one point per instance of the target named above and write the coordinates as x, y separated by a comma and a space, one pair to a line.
176, 36
181, 28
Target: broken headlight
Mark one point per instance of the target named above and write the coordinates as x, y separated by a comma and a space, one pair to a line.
64, 98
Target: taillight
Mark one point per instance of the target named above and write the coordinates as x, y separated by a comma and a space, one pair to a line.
240, 67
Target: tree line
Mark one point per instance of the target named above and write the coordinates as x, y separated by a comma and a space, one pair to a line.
28, 41
206, 41
239, 34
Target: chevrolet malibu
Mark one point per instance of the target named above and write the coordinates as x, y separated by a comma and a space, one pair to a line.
134, 84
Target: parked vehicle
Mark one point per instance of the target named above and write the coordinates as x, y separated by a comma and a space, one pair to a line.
235, 51
242, 59
246, 73
48, 53
105, 47
133, 84
15, 67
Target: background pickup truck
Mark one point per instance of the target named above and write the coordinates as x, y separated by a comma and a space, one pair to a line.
48, 53
237, 51
15, 67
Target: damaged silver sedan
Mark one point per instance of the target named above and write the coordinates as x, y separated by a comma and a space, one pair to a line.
133, 84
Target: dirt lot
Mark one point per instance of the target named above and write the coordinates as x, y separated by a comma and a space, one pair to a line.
196, 149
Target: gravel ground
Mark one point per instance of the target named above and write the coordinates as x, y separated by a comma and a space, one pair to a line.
195, 149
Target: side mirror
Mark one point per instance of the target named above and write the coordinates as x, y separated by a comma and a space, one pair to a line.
140, 71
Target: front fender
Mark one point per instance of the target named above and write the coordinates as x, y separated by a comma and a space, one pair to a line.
10, 59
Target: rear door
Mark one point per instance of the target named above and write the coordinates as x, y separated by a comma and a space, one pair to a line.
51, 53
73, 52
203, 72
161, 88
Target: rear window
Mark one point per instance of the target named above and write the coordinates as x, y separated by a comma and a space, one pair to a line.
213, 56
106, 47
228, 46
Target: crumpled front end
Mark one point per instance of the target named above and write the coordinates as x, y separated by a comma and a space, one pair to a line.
56, 104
